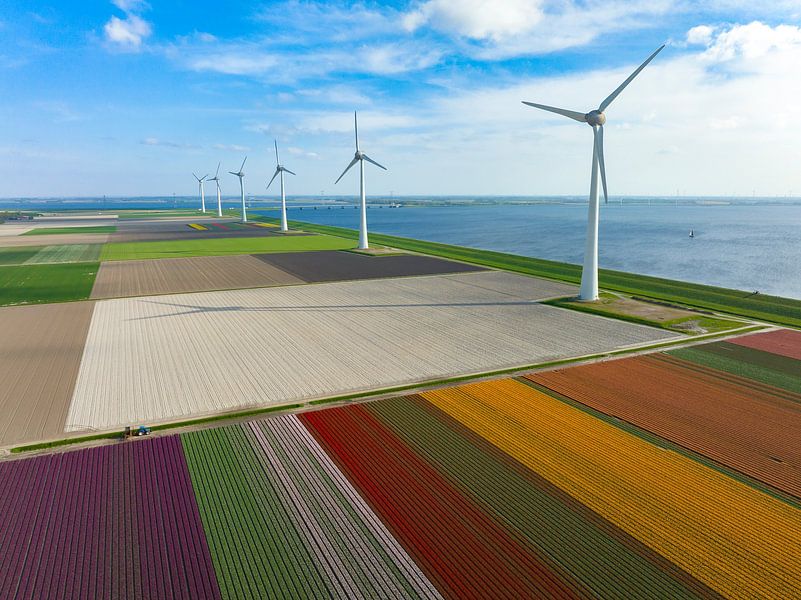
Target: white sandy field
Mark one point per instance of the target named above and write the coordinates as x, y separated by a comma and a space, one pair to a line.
171, 357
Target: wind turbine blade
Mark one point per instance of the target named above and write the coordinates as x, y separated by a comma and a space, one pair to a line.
243, 164
356, 129
232, 173
571, 114
277, 160
598, 134
218, 170
353, 162
287, 171
622, 86
277, 171
370, 160
195, 176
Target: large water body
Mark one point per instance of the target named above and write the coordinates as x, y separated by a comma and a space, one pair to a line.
748, 247
742, 244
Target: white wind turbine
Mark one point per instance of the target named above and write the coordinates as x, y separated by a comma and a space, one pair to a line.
279, 171
202, 187
360, 157
216, 179
241, 175
595, 119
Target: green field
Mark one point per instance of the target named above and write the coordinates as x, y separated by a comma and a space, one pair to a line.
36, 284
17, 256
784, 311
63, 230
771, 369
35, 255
221, 247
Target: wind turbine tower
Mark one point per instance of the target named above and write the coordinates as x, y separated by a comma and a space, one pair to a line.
360, 157
595, 119
241, 175
216, 179
279, 172
200, 181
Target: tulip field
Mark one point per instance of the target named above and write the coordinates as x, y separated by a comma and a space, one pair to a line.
501, 488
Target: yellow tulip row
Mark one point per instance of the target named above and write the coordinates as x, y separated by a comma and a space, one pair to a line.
738, 540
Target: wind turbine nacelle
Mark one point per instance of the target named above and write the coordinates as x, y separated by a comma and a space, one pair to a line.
595, 117
359, 155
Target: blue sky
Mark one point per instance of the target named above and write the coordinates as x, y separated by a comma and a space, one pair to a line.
129, 97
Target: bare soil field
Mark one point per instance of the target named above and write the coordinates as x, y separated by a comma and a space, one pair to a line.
40, 354
171, 357
336, 265
117, 279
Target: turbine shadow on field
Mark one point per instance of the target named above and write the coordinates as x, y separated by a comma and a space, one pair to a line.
316, 308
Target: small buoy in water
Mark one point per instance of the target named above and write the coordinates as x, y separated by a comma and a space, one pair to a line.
692, 233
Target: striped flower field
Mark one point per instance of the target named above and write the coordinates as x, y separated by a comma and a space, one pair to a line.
499, 489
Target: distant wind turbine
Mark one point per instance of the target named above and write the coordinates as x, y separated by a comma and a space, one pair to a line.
241, 175
279, 171
202, 187
360, 157
595, 119
216, 179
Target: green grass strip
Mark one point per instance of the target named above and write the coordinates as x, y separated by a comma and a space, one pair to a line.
63, 230
221, 246
36, 284
716, 358
661, 442
784, 311
571, 543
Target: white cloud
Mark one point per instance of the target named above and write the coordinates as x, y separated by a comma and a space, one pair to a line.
295, 151
702, 34
127, 33
477, 19
131, 5
234, 62
154, 141
498, 29
231, 147
752, 41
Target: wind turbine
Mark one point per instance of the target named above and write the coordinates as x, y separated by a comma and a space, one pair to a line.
595, 119
360, 157
200, 181
241, 175
279, 170
216, 179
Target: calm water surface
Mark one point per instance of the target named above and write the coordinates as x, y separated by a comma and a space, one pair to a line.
744, 247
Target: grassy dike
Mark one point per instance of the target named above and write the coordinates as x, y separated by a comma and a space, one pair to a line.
773, 309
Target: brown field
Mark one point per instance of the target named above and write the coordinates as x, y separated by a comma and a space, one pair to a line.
118, 279
40, 353
57, 239
333, 265
752, 428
